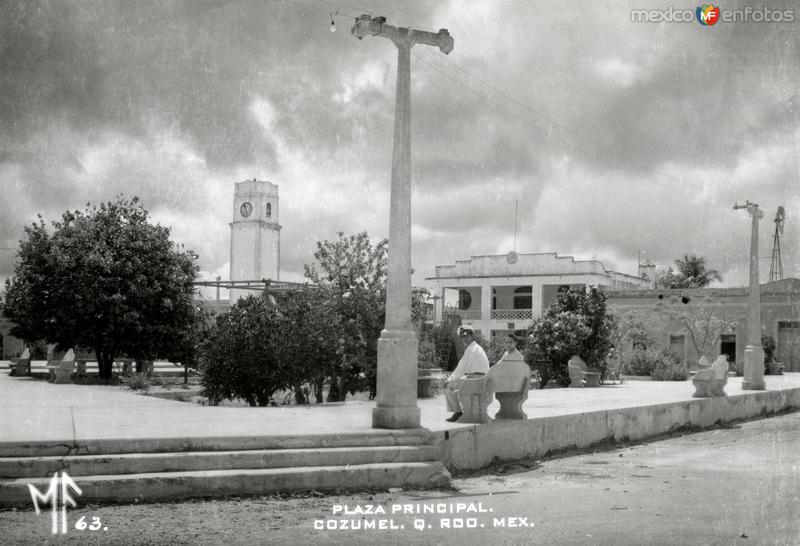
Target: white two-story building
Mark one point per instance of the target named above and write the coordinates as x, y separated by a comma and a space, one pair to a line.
504, 293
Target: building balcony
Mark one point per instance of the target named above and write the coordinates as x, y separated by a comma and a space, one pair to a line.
512, 314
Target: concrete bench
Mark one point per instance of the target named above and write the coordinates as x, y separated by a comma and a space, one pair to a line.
509, 381
61, 372
711, 381
579, 374
21, 366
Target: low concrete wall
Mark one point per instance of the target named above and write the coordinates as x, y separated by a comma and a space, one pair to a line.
478, 445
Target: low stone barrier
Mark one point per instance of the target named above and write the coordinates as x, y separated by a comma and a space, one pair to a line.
476, 446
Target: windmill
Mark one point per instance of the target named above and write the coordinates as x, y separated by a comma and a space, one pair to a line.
776, 267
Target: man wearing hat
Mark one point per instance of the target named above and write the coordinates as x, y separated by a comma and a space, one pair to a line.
473, 361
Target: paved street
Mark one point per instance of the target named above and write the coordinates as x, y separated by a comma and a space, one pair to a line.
737, 485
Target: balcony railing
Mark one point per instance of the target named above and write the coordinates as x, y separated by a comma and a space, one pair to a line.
468, 315
496, 314
512, 314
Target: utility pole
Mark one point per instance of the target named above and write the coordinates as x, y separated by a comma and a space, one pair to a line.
753, 353
398, 345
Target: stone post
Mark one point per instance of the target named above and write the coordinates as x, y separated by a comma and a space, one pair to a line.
396, 395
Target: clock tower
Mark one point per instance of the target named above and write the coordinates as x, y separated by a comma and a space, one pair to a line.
255, 234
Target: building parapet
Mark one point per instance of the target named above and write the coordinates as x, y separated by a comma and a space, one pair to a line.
526, 265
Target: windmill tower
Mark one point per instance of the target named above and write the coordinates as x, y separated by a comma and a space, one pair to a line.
776, 267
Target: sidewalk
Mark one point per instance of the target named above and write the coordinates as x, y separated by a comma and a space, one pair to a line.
36, 411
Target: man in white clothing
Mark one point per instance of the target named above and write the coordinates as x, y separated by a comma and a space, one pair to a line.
472, 364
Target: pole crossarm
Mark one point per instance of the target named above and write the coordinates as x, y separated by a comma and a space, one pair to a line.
752, 208
367, 25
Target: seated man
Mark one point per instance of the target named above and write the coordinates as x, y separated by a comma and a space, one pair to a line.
473, 362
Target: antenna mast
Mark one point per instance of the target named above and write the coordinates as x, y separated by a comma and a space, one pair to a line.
516, 202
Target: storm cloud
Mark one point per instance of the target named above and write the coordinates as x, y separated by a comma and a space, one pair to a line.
608, 136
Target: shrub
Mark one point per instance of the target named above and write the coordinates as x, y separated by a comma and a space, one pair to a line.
577, 324
669, 367
552, 341
238, 360
427, 353
136, 382
769, 346
641, 362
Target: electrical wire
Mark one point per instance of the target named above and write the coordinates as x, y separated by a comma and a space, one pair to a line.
550, 136
555, 123
600, 151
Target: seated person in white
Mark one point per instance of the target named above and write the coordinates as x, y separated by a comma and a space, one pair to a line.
473, 361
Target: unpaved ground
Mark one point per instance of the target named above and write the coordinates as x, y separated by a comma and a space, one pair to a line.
737, 485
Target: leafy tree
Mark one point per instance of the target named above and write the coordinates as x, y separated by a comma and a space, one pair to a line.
552, 341
241, 356
577, 324
690, 272
307, 327
106, 279
352, 273
702, 320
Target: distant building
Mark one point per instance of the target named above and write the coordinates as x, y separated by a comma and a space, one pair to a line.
502, 293
780, 318
255, 234
255, 247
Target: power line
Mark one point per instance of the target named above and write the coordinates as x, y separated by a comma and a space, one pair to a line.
548, 132
538, 128
358, 11
602, 149
556, 123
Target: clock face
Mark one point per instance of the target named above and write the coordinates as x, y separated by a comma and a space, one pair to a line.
246, 209
511, 257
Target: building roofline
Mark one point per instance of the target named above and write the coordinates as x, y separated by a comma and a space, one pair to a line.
516, 276
785, 286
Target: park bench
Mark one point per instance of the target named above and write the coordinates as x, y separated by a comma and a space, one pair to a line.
711, 382
509, 381
579, 374
21, 366
61, 372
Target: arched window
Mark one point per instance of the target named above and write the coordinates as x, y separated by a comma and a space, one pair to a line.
269, 210
523, 297
464, 299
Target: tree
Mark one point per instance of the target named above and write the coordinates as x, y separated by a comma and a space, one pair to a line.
309, 339
105, 279
703, 321
690, 272
577, 324
352, 272
240, 357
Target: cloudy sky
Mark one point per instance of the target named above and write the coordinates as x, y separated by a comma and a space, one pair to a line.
612, 136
